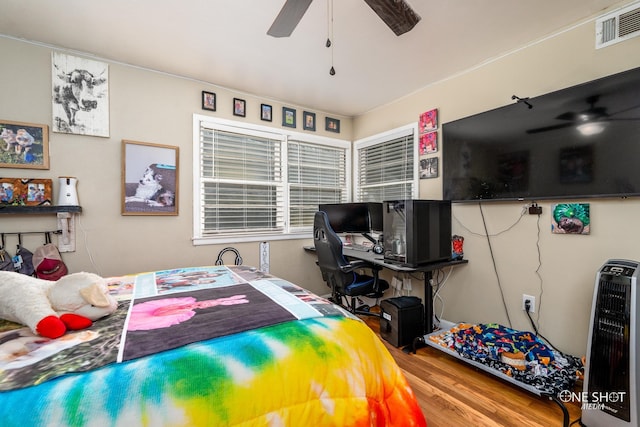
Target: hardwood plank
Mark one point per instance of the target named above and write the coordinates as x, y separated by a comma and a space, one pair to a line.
453, 393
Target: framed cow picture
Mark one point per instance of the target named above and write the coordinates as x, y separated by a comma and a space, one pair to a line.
80, 95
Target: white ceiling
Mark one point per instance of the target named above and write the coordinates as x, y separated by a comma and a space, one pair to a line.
225, 42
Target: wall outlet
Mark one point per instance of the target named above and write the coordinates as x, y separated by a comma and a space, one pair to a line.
532, 301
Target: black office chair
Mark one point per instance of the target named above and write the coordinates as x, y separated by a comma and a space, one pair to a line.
339, 273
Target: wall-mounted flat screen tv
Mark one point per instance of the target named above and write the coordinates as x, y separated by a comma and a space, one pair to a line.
583, 141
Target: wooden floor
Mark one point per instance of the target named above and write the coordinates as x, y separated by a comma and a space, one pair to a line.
453, 393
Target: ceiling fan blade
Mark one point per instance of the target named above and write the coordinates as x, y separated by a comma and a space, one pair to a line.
288, 18
569, 115
594, 113
548, 128
398, 15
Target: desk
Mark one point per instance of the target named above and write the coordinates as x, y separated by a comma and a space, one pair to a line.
427, 269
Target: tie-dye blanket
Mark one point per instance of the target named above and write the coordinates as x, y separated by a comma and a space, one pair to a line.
322, 369
159, 311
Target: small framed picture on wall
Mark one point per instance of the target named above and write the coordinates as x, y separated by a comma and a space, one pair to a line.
332, 125
428, 143
309, 121
429, 168
266, 112
288, 117
208, 101
239, 107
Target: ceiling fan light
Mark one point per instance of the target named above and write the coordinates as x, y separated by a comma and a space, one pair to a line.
591, 128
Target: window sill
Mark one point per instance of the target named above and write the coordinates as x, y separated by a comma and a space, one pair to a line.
198, 241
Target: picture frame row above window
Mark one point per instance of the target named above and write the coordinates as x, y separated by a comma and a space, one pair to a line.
289, 114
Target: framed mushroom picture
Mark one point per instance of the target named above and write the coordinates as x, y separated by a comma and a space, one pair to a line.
24, 145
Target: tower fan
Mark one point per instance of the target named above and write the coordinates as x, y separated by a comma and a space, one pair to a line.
611, 376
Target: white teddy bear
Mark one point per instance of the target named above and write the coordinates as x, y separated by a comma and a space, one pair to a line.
50, 308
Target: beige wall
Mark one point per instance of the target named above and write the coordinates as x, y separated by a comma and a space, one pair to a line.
145, 106
564, 281
154, 107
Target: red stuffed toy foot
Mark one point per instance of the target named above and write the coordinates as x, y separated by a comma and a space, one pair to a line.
51, 327
75, 321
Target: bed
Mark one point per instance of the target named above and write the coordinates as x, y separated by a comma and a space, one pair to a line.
519, 357
206, 346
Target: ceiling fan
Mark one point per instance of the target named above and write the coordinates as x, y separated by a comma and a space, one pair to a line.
589, 121
397, 14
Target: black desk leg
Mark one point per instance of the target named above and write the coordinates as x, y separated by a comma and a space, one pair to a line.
428, 303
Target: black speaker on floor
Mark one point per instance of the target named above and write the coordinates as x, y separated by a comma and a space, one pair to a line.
402, 320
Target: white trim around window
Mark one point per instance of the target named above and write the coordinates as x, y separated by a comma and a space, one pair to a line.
386, 165
258, 183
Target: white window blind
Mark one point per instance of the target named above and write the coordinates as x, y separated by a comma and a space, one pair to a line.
255, 182
242, 185
317, 174
385, 166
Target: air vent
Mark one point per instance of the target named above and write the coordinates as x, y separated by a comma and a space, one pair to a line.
618, 26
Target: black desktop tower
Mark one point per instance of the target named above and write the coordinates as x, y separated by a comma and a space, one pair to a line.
402, 320
417, 231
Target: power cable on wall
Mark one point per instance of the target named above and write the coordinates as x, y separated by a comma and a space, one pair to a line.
486, 234
86, 246
495, 267
538, 271
440, 283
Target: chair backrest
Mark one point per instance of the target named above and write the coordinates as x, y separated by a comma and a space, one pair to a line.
329, 251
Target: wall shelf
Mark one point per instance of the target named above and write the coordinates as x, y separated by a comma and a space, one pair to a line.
14, 210
66, 216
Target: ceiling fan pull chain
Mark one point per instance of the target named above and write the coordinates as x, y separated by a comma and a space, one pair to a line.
329, 43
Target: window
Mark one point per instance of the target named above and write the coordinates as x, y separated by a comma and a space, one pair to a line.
385, 166
317, 174
254, 182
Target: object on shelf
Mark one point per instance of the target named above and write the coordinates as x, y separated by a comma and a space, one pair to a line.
68, 195
25, 191
457, 242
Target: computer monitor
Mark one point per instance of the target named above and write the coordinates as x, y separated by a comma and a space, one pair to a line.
354, 218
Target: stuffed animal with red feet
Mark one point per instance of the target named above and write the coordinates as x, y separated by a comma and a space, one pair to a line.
51, 308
